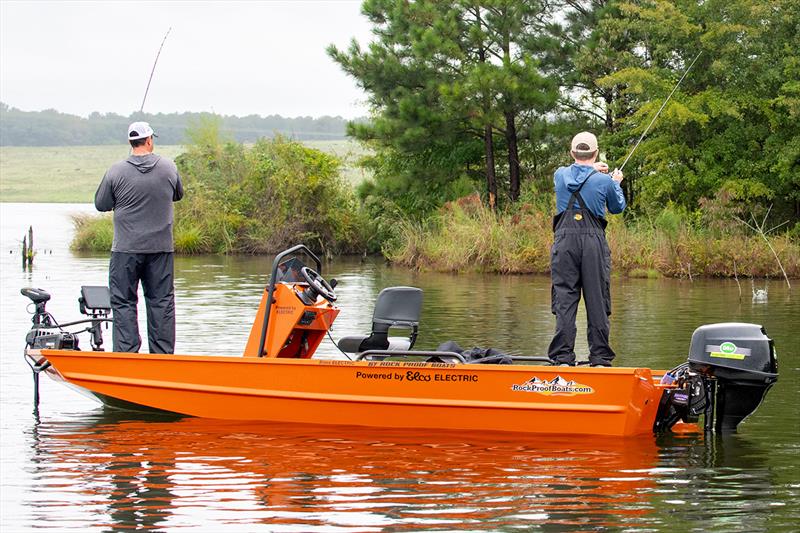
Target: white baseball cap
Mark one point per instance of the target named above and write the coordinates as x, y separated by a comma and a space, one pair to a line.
584, 142
140, 130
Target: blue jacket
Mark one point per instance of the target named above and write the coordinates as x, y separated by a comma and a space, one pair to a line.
599, 192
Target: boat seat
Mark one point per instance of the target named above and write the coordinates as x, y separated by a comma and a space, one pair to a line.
395, 307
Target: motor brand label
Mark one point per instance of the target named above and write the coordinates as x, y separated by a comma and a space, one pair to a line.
557, 386
727, 350
727, 347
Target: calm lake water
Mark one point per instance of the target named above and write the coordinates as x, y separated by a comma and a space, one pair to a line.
78, 467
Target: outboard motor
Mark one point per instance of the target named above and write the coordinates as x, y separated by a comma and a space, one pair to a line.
741, 359
731, 367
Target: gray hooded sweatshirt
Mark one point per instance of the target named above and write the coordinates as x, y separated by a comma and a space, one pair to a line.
140, 191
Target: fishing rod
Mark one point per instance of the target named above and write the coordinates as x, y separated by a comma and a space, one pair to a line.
659, 111
152, 71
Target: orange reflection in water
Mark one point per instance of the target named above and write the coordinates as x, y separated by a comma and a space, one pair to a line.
151, 473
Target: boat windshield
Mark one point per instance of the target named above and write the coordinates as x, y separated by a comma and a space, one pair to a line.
289, 271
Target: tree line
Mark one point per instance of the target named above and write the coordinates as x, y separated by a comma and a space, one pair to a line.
52, 128
489, 92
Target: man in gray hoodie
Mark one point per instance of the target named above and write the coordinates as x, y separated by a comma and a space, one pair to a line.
140, 190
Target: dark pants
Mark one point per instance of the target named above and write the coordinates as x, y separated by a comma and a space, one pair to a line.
156, 273
581, 261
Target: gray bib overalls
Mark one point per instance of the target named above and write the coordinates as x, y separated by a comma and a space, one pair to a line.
580, 261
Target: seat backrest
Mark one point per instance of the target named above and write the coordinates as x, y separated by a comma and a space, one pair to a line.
397, 306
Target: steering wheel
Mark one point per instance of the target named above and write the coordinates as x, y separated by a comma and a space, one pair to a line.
318, 284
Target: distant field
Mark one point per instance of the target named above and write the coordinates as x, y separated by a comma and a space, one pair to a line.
349, 152
72, 173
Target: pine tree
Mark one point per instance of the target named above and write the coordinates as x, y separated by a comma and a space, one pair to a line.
447, 83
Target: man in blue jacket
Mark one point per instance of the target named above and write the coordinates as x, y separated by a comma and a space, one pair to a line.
140, 190
580, 258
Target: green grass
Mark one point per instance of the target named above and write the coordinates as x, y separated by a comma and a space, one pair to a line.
70, 174
466, 236
59, 173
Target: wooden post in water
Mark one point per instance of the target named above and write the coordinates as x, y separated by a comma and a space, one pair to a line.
27, 249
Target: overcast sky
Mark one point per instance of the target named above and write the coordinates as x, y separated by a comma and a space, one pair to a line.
233, 58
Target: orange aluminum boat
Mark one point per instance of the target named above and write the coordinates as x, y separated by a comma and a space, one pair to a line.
388, 384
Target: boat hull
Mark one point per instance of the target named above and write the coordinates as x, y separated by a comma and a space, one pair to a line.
514, 398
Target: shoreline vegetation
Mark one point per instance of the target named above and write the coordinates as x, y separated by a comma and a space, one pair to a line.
467, 236
262, 198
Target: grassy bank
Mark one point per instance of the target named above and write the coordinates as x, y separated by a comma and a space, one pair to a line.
466, 236
63, 174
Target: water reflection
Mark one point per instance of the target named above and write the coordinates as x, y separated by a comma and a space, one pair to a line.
145, 472
723, 482
128, 471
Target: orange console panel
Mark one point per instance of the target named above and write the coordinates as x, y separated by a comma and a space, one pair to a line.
294, 329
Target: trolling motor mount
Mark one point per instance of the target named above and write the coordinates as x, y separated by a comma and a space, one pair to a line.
730, 368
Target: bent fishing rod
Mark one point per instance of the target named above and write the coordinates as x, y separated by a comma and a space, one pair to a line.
659, 112
153, 70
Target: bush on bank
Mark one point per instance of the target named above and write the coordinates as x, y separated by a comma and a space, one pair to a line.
92, 233
252, 199
467, 236
263, 198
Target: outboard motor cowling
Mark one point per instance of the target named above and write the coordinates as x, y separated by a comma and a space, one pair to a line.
741, 359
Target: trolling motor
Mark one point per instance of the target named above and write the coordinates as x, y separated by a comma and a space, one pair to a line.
47, 333
730, 368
